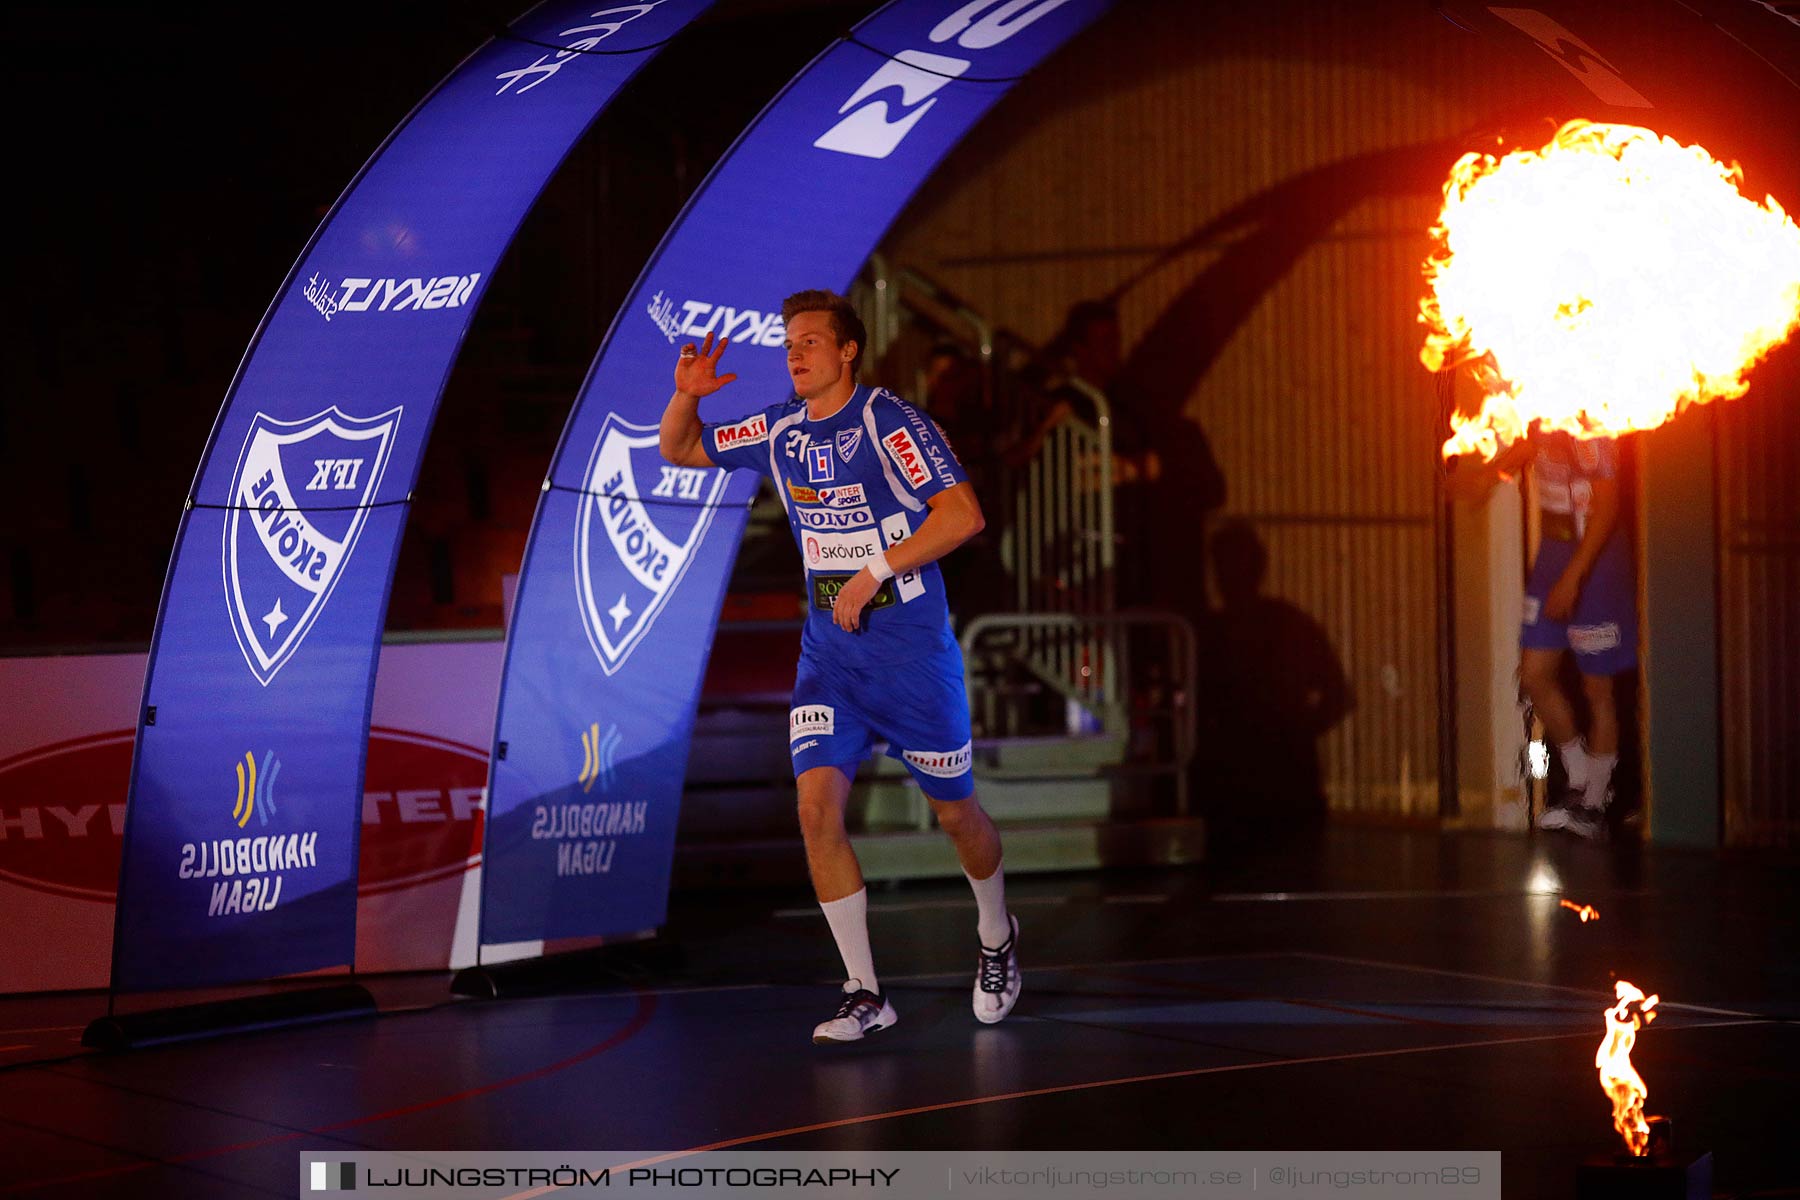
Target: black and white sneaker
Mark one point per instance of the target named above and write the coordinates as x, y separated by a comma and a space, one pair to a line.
1583, 820
997, 979
862, 1012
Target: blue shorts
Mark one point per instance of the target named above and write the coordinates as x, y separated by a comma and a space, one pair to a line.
1603, 633
920, 709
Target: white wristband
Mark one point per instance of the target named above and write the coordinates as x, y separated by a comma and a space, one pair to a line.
879, 568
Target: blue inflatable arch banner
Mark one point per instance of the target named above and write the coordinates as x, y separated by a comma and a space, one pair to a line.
628, 558
243, 817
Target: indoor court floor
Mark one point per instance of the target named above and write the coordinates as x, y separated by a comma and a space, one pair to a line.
1379, 990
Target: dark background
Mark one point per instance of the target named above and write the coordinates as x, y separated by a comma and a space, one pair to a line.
170, 168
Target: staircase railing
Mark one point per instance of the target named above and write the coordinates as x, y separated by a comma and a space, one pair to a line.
1058, 538
1141, 687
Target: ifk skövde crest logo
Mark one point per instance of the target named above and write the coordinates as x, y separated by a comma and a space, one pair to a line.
634, 543
299, 501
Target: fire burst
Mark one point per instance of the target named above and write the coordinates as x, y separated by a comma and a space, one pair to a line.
1623, 1085
1602, 284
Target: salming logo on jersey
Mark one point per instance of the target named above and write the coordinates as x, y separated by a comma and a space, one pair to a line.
931, 437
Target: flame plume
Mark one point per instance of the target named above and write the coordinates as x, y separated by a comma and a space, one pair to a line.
1602, 284
1623, 1085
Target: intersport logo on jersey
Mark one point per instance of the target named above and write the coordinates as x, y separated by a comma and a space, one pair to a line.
869, 128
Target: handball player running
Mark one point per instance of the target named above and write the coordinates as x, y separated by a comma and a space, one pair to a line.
874, 497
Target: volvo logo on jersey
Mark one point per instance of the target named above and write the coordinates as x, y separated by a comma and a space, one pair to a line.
300, 499
633, 543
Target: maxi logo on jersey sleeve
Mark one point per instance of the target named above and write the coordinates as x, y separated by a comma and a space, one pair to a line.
905, 453
630, 555
932, 438
747, 432
299, 501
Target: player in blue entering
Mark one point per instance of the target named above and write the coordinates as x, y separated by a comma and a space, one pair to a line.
874, 496
1580, 598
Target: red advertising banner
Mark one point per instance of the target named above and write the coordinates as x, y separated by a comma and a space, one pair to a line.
65, 762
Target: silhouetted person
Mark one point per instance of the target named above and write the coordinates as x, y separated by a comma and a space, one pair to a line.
1165, 479
954, 397
1270, 684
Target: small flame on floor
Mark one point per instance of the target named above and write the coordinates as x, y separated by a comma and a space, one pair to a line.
1620, 1080
1586, 912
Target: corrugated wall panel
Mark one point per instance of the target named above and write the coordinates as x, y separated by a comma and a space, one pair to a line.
1759, 608
1321, 418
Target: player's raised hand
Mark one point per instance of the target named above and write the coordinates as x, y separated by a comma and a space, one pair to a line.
697, 370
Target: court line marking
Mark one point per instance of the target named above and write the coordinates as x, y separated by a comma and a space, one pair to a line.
1662, 1005
1130, 962
1228, 994
1188, 1073
929, 905
636, 1024
1459, 894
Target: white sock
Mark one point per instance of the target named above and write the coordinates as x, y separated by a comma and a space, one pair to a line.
1600, 773
991, 923
849, 921
1576, 761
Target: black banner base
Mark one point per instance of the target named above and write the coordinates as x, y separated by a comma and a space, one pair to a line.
620, 965
1664, 1176
218, 1018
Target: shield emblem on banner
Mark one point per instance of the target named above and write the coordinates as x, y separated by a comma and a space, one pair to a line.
299, 500
640, 523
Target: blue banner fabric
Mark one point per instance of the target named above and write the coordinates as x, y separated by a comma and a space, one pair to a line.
244, 811
626, 568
